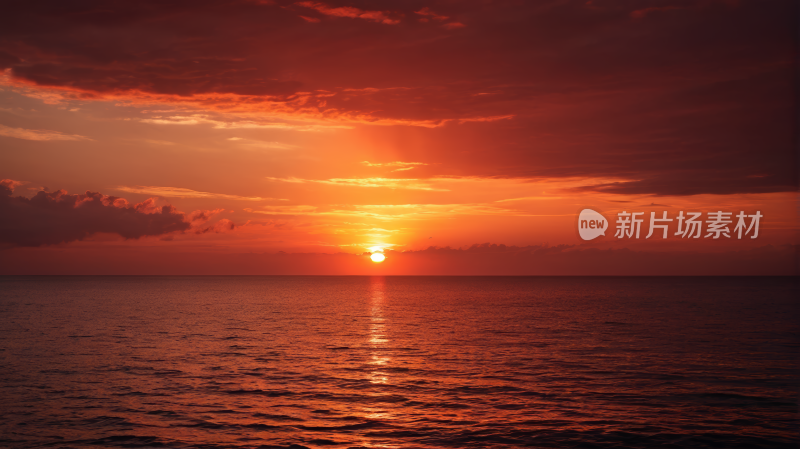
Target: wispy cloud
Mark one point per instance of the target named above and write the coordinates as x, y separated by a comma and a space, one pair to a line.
349, 11
284, 210
530, 198
318, 121
408, 184
453, 25
426, 211
492, 118
402, 166
310, 111
202, 119
418, 211
427, 13
260, 144
179, 192
388, 211
37, 134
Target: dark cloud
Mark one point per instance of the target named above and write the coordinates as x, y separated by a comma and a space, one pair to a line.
674, 97
50, 218
653, 205
485, 259
222, 225
679, 184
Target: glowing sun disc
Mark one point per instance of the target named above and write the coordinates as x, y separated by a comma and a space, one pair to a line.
377, 257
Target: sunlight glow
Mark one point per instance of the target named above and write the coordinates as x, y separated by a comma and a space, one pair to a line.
377, 257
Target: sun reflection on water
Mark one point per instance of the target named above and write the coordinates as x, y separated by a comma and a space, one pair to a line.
379, 360
378, 332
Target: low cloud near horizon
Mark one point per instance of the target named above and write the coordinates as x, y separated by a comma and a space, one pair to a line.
50, 218
478, 260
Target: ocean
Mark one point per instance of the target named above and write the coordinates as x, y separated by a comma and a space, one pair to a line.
399, 362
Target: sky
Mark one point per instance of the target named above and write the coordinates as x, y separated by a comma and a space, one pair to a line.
298, 137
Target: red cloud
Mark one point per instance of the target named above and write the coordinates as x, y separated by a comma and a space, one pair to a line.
220, 226
200, 217
453, 25
349, 11
56, 217
10, 183
593, 93
426, 12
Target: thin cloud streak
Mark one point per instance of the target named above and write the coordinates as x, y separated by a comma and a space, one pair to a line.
390, 183
350, 12
402, 166
38, 134
179, 192
202, 119
390, 211
252, 144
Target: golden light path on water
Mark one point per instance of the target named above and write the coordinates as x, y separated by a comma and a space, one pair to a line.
378, 340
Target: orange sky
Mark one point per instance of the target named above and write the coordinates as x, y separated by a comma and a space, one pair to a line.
341, 127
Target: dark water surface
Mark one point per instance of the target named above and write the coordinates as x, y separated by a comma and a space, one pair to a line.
219, 362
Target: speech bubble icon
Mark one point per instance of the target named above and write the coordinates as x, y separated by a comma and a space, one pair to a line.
591, 224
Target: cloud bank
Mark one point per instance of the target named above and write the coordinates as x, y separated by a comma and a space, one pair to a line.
484, 259
562, 88
50, 218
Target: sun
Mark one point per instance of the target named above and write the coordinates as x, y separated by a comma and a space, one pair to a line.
377, 257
